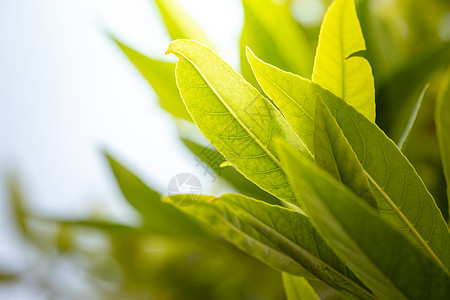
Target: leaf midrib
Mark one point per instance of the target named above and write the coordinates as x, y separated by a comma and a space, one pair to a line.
306, 253
355, 245
232, 113
406, 222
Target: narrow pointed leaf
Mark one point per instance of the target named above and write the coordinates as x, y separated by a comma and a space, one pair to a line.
298, 288
293, 95
336, 68
401, 195
179, 23
159, 75
443, 128
335, 155
383, 258
282, 238
270, 29
159, 217
412, 118
234, 116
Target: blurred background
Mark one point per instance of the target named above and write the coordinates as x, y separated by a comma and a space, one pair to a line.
80, 108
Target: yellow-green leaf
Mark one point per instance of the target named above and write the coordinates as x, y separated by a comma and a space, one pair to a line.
271, 31
335, 155
234, 116
293, 95
159, 75
337, 66
401, 195
282, 238
179, 23
385, 260
298, 288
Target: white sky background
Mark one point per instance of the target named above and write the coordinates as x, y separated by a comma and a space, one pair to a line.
66, 90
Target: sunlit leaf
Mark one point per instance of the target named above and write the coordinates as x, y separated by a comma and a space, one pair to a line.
335, 155
282, 238
234, 116
337, 66
211, 161
401, 195
383, 258
278, 86
270, 30
298, 288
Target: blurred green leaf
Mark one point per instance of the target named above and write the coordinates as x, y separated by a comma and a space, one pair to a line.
282, 238
179, 23
234, 116
159, 75
105, 226
159, 217
412, 119
443, 128
8, 277
298, 288
337, 66
17, 201
270, 30
213, 160
335, 155
395, 90
384, 259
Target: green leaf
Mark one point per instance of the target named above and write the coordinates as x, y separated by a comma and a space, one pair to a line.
179, 23
159, 217
270, 29
159, 75
278, 86
234, 116
412, 119
282, 238
298, 288
383, 258
212, 161
335, 155
337, 66
401, 195
443, 128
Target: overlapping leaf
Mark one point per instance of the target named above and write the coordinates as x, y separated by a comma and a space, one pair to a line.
282, 238
211, 161
234, 116
384, 259
337, 67
335, 155
270, 29
401, 195
298, 288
